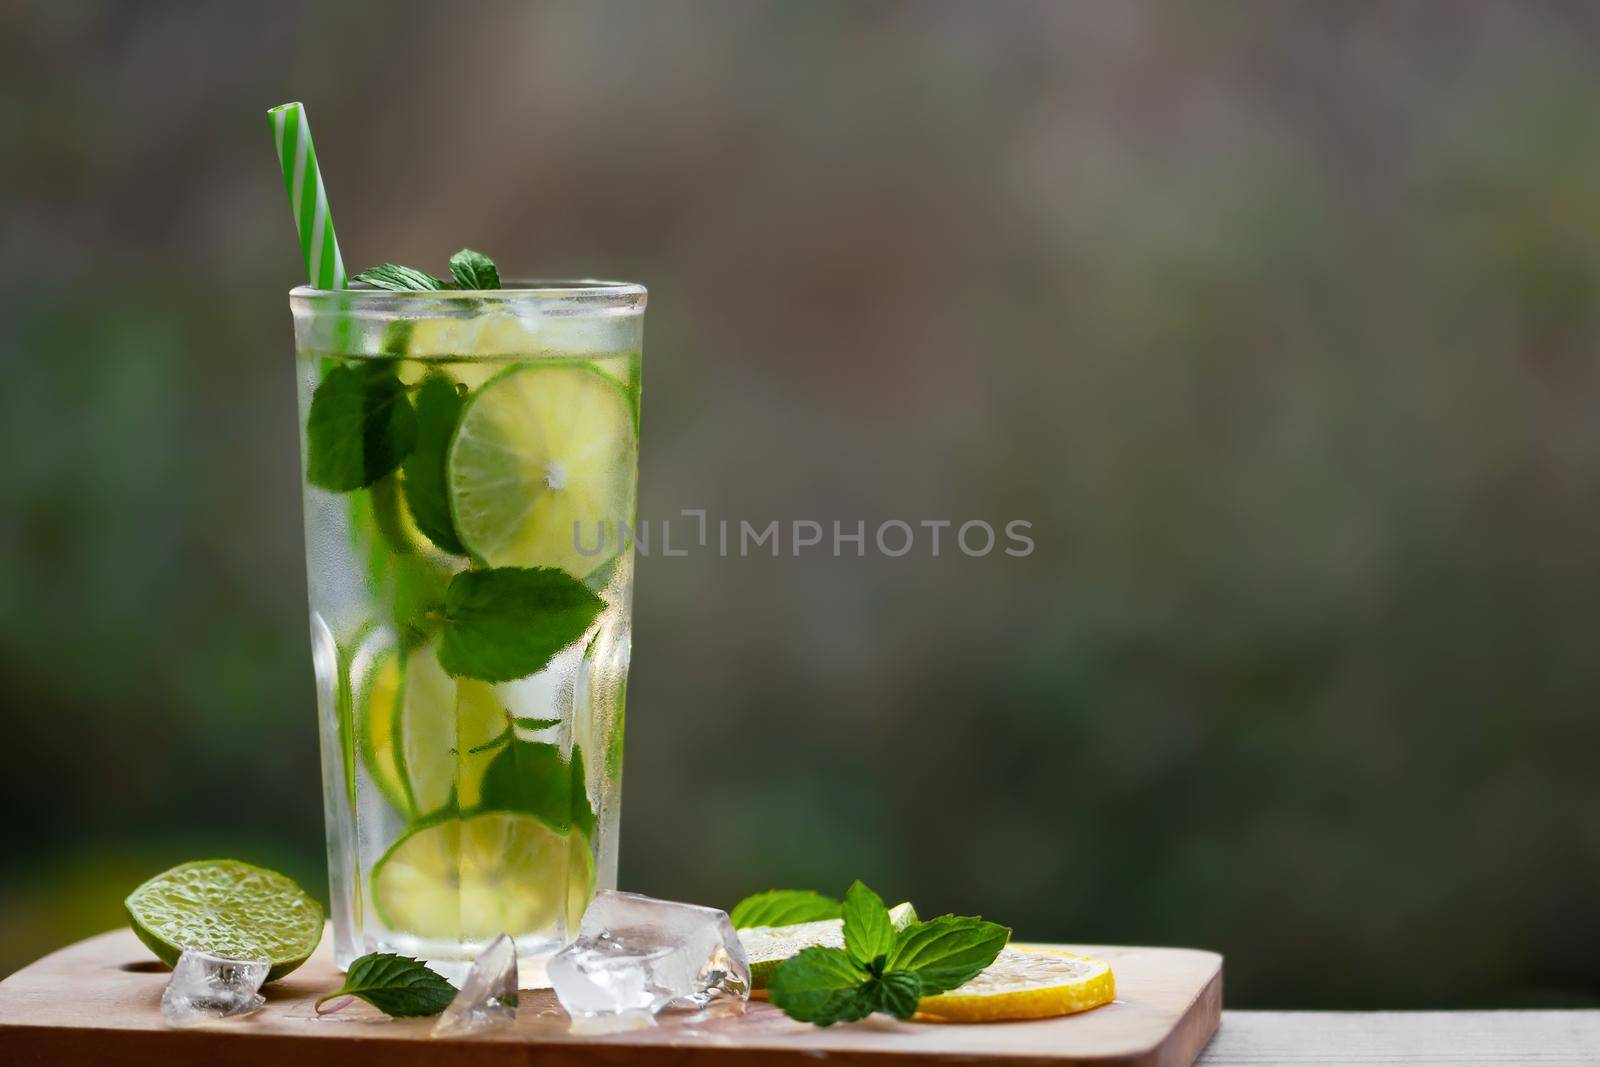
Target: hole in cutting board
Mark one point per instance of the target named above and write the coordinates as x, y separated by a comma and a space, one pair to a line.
145, 967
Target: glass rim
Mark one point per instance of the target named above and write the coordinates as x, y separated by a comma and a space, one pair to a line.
581, 290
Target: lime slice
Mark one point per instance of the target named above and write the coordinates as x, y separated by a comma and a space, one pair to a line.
543, 450
474, 341
768, 946
229, 908
472, 350
439, 721
473, 878
425, 732
1026, 983
375, 668
480, 718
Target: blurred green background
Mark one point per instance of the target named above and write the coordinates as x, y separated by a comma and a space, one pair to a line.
1278, 321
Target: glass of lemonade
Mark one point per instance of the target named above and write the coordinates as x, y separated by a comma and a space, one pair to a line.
469, 463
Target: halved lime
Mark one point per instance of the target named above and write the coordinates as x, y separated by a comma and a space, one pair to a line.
544, 456
440, 720
768, 946
473, 878
229, 908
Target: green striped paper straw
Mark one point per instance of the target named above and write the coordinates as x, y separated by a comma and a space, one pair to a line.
307, 198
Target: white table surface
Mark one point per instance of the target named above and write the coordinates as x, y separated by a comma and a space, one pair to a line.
1547, 1038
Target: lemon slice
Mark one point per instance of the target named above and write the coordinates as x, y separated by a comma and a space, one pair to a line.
543, 459
1026, 983
768, 946
474, 878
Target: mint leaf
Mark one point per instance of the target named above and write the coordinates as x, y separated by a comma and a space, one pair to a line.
868, 933
534, 777
879, 969
531, 777
397, 337
397, 985
819, 985
948, 951
474, 270
438, 407
360, 427
895, 992
507, 622
398, 279
526, 723
780, 907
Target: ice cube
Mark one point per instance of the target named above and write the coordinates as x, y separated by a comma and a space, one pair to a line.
488, 997
636, 955
205, 987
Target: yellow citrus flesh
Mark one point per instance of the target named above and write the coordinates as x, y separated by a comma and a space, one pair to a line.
473, 878
473, 350
1026, 983
376, 672
441, 720
543, 463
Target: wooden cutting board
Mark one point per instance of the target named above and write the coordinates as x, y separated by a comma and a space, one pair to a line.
99, 1002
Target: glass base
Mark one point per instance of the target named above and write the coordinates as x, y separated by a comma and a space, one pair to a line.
531, 966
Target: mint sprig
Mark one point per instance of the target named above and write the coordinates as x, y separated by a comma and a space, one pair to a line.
469, 269
783, 907
395, 985
881, 969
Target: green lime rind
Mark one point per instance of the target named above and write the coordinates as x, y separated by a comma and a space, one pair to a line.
768, 946
229, 908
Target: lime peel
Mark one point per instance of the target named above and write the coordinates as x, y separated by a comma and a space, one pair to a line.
229, 908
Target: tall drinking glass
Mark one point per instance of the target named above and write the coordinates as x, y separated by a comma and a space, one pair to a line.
469, 462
